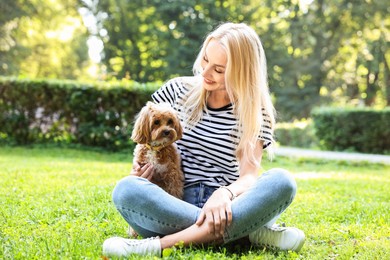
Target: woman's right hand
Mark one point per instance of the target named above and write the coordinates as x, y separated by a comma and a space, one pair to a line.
216, 213
146, 171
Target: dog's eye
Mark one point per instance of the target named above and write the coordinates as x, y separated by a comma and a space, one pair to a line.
170, 122
156, 122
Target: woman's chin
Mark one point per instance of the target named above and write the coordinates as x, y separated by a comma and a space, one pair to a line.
208, 86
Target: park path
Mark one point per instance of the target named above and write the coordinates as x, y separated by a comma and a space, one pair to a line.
330, 155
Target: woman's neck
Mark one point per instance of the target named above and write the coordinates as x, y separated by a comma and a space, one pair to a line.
218, 99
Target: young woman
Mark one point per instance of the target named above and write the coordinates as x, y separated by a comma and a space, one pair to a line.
228, 120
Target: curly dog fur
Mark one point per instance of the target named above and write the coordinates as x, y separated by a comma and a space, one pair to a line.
156, 128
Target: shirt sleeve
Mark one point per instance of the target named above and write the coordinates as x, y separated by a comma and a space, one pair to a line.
266, 134
167, 93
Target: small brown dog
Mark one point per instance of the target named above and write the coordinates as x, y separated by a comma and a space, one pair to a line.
156, 129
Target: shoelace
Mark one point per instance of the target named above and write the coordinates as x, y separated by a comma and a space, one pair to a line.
142, 244
268, 233
135, 242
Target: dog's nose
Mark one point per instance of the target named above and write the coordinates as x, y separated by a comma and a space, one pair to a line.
166, 132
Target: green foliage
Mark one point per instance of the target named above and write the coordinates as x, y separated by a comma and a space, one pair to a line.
42, 39
154, 40
325, 51
304, 42
56, 204
70, 112
362, 130
318, 52
297, 134
11, 51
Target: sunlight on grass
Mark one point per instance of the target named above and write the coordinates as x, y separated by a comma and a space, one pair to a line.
56, 204
313, 175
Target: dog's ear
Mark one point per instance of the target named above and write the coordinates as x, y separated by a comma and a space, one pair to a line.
178, 128
141, 130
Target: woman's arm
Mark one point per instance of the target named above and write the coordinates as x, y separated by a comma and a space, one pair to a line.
248, 172
217, 212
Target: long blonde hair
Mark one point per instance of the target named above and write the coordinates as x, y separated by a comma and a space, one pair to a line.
246, 84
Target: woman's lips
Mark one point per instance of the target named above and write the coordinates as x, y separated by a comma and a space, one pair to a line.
208, 81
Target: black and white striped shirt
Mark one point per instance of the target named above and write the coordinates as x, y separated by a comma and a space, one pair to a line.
207, 149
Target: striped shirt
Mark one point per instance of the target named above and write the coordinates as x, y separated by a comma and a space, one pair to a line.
207, 149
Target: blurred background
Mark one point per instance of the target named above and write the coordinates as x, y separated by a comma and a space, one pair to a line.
333, 53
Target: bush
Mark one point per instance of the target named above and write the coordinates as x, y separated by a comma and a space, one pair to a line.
296, 134
36, 111
362, 130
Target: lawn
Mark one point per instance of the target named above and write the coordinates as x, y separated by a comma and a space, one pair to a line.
55, 203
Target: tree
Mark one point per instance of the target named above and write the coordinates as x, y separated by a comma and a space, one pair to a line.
318, 52
154, 40
311, 48
10, 49
357, 74
52, 37
299, 42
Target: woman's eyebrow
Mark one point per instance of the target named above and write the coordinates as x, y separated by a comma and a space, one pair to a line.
216, 65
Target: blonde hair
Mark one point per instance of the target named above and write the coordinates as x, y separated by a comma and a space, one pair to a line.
246, 85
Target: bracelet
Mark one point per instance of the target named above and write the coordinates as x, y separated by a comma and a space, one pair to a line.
226, 188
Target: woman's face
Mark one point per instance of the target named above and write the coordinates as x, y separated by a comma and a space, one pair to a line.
214, 66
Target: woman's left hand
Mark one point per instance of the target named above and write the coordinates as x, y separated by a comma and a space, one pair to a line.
217, 212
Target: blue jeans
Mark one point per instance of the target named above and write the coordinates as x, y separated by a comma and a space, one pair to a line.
151, 211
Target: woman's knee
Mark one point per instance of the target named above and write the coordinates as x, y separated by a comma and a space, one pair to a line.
128, 189
284, 181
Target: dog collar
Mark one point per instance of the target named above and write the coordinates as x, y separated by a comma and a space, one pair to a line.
154, 148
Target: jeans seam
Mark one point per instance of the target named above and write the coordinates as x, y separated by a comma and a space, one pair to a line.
147, 217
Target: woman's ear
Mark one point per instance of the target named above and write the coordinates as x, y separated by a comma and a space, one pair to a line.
141, 130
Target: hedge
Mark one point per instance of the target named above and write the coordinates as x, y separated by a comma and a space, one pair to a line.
99, 114
296, 134
362, 130
102, 114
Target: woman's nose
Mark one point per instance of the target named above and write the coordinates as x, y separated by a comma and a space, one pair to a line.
206, 72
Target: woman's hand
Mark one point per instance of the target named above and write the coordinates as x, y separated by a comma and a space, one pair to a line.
217, 212
146, 171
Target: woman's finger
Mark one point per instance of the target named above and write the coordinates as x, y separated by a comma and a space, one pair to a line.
135, 170
217, 224
147, 171
210, 222
136, 165
201, 218
222, 216
229, 215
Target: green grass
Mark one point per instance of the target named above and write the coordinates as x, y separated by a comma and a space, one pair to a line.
56, 204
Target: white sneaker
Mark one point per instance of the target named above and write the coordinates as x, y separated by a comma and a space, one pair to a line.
282, 238
122, 247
